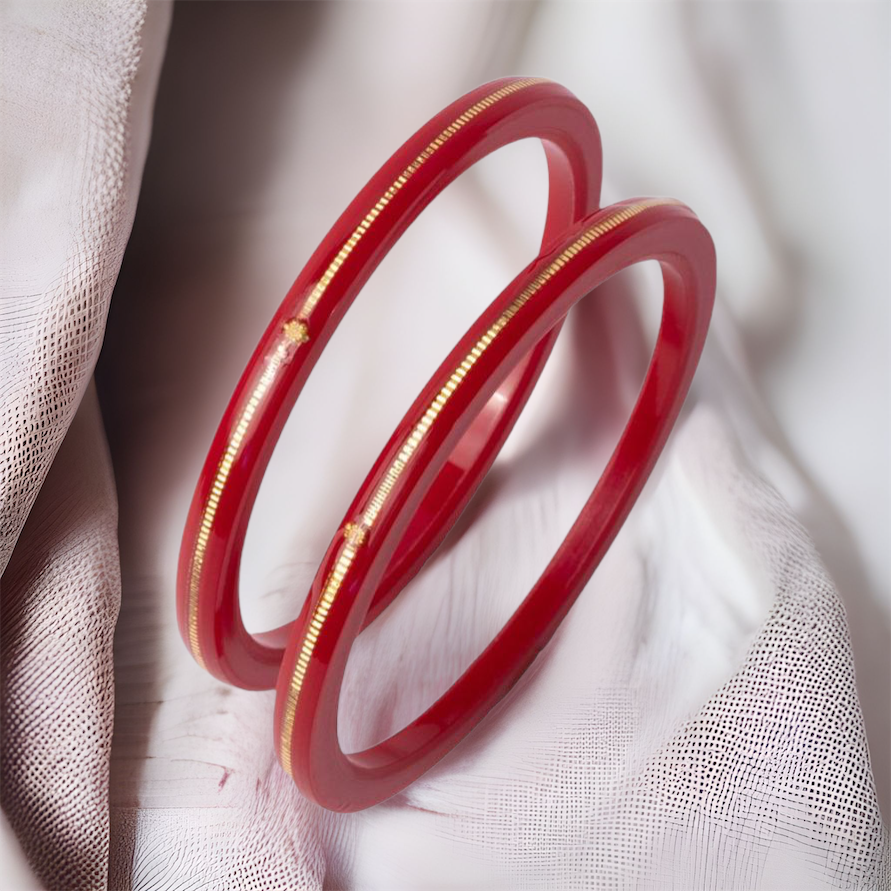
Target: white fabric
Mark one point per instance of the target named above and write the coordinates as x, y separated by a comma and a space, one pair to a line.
75, 115
695, 723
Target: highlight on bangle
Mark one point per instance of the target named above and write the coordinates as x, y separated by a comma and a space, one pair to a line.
496, 365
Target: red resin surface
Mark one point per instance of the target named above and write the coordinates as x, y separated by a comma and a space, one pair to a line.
207, 597
308, 696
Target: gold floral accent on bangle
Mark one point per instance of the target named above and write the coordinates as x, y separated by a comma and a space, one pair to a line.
296, 330
349, 548
354, 534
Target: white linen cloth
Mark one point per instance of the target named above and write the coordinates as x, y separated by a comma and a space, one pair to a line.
696, 721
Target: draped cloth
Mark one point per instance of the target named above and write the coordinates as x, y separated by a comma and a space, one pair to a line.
714, 710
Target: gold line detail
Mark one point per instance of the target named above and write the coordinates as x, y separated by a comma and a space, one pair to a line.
437, 143
296, 333
355, 533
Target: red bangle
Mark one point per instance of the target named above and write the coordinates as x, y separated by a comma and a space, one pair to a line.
482, 121
537, 301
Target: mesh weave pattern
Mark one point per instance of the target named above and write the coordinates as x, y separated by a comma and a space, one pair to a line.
61, 592
694, 723
67, 72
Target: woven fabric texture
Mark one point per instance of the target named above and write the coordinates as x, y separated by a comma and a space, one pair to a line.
697, 721
69, 178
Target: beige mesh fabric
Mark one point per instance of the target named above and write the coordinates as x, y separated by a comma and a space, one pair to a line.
61, 592
74, 136
68, 206
695, 723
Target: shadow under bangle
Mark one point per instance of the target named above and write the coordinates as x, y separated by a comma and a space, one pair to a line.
531, 306
485, 119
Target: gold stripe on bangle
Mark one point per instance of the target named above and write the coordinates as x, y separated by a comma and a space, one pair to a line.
360, 230
355, 533
295, 332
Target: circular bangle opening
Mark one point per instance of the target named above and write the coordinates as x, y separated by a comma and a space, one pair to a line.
516, 521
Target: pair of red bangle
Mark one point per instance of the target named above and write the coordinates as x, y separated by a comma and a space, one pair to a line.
445, 444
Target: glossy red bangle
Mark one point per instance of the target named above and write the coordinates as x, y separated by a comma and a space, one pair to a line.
313, 668
482, 121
